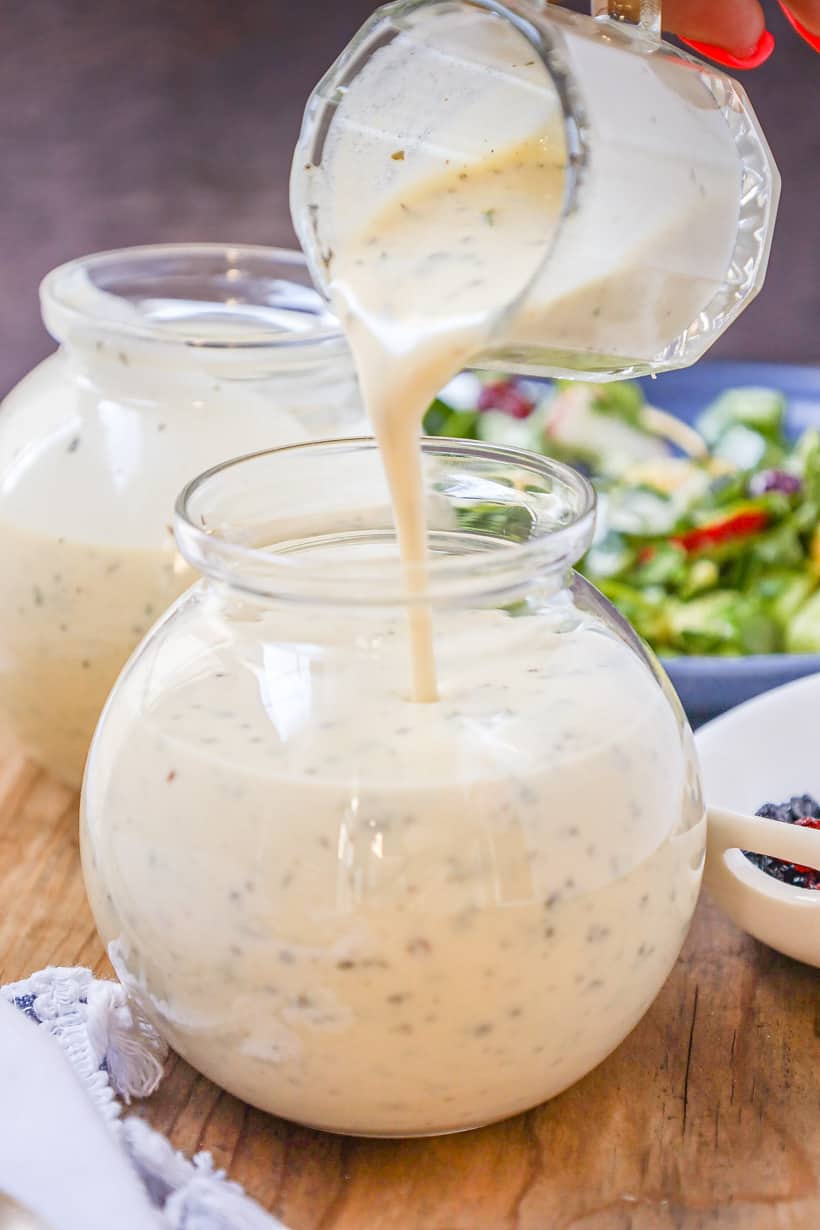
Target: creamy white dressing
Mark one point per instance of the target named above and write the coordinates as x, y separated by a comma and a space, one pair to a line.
95, 445
363, 912
87, 487
417, 290
378, 916
351, 908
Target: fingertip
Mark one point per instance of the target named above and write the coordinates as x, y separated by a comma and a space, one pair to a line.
749, 58
813, 40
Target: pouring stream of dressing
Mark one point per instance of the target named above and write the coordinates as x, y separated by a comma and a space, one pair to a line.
418, 290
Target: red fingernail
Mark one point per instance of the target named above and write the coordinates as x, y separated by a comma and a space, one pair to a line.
757, 56
813, 40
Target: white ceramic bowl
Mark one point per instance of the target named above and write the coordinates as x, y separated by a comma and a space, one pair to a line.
764, 751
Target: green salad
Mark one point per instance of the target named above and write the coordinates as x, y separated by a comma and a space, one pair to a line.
708, 540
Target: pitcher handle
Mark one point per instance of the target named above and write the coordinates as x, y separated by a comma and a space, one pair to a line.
645, 15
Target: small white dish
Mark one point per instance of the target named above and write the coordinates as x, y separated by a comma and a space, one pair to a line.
764, 751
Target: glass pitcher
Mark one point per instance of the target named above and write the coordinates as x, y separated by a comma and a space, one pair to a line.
666, 189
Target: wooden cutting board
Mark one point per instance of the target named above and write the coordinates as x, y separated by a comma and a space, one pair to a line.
707, 1116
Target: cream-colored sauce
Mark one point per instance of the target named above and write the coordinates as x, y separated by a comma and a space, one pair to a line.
363, 912
89, 471
378, 916
72, 613
446, 266
417, 290
367, 913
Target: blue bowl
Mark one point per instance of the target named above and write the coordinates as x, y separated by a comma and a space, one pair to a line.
708, 686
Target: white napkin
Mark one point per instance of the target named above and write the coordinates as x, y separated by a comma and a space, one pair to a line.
57, 1155
64, 1150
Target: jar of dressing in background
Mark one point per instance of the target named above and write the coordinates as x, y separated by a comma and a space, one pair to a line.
362, 912
171, 358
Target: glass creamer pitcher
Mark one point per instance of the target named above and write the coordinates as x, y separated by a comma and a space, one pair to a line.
657, 190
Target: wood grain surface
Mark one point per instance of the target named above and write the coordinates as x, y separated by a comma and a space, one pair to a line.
707, 1116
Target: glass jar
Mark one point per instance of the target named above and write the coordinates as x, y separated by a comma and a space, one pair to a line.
366, 914
170, 360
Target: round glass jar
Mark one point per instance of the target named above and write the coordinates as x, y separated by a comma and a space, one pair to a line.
362, 913
170, 360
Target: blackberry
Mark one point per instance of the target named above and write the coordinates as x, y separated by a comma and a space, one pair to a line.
801, 809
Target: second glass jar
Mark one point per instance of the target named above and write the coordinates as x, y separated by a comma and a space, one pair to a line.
171, 358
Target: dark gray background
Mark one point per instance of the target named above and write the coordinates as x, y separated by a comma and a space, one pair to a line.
136, 121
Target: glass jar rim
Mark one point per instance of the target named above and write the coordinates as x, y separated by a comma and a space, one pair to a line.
65, 314
492, 567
